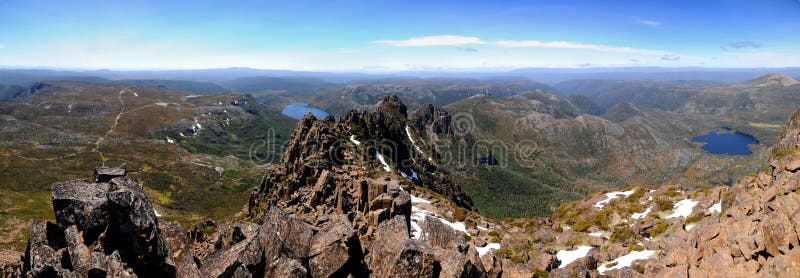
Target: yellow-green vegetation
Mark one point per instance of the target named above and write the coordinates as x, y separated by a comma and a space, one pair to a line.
728, 199
663, 203
671, 192
539, 273
598, 219
660, 227
694, 218
765, 125
17, 209
622, 233
635, 247
512, 254
76, 132
496, 236
781, 153
637, 194
638, 268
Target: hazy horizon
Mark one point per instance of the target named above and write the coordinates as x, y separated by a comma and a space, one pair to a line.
376, 36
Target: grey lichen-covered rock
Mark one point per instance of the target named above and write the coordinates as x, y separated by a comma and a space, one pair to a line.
105, 174
104, 228
437, 234
336, 251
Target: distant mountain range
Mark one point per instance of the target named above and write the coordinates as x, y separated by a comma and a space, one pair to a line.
227, 76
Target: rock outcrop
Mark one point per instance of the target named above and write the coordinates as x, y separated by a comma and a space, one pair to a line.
106, 228
339, 205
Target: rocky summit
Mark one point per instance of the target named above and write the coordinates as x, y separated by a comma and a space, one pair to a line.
355, 197
366, 196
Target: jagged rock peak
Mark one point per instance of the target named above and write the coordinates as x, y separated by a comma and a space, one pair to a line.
434, 117
343, 155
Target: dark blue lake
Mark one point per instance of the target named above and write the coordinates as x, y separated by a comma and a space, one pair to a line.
297, 110
726, 142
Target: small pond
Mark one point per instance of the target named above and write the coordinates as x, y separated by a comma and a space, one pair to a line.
297, 110
726, 142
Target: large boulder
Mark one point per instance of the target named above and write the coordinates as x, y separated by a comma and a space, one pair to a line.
103, 228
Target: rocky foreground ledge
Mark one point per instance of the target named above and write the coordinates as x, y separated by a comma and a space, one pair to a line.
108, 228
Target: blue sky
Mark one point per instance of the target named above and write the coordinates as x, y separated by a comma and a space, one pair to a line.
398, 35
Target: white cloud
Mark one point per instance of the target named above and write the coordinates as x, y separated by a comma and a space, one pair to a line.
572, 45
670, 57
433, 41
649, 22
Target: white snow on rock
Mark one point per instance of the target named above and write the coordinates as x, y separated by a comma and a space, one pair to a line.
353, 139
485, 249
418, 216
156, 212
599, 234
567, 257
169, 140
383, 161
627, 260
641, 215
418, 200
416, 230
683, 208
408, 132
716, 208
688, 227
611, 196
413, 174
162, 104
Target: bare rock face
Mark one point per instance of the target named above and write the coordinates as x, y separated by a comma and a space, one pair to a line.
437, 234
104, 228
323, 172
395, 254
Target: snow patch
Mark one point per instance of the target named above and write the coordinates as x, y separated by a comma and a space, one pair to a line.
383, 161
689, 226
418, 200
716, 208
567, 257
169, 140
611, 196
156, 212
642, 214
418, 216
413, 174
408, 132
683, 208
627, 260
485, 249
353, 139
599, 234
162, 104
